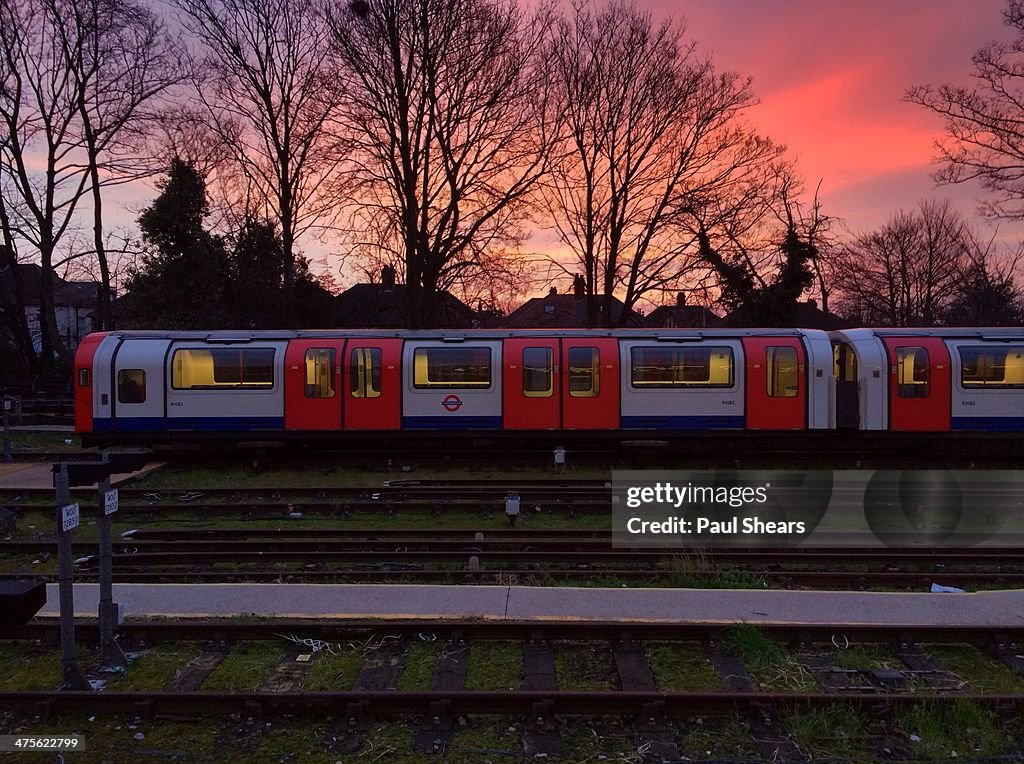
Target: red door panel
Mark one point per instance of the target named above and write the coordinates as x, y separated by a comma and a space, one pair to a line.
590, 384
531, 383
83, 380
312, 384
776, 383
373, 397
920, 397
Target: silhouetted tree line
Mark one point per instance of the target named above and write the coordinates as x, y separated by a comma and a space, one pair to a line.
432, 137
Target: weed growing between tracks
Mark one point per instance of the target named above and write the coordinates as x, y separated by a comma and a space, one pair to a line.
486, 738
336, 670
680, 667
982, 672
495, 666
718, 739
836, 730
154, 668
584, 667
769, 663
420, 663
245, 667
33, 668
962, 727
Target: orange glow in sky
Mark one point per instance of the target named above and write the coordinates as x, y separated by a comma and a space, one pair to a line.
830, 78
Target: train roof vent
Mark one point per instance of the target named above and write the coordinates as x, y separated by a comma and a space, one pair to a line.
453, 339
680, 338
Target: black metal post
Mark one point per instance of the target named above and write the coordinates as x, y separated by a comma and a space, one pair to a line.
8, 455
74, 679
113, 657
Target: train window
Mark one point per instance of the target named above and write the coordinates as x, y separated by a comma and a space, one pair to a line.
992, 367
538, 367
584, 372
223, 369
912, 372
844, 362
84, 377
783, 372
320, 372
131, 386
364, 367
452, 367
653, 367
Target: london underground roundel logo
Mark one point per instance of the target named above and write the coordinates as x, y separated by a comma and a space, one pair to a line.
452, 402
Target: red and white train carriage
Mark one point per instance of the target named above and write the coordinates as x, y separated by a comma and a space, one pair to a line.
163, 386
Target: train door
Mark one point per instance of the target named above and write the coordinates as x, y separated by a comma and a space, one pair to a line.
919, 384
590, 383
373, 384
532, 384
776, 383
137, 402
844, 368
312, 395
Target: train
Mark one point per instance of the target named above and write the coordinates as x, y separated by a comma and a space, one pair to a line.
168, 386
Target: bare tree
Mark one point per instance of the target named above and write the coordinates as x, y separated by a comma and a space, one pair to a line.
446, 107
984, 135
121, 61
906, 272
39, 101
265, 95
657, 152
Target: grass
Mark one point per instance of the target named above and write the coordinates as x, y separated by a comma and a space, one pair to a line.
156, 667
420, 663
245, 667
486, 738
27, 442
292, 740
838, 729
717, 738
871, 658
696, 569
680, 667
593, 739
390, 743
961, 726
24, 666
334, 671
494, 666
983, 672
752, 646
584, 667
767, 661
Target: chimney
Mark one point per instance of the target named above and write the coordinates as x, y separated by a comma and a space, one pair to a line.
579, 286
552, 291
387, 277
680, 299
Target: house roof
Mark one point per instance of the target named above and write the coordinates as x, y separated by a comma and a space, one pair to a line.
70, 294
376, 306
562, 311
806, 315
682, 317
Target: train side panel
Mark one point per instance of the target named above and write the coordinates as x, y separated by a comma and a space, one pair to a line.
988, 385
225, 386
682, 385
454, 385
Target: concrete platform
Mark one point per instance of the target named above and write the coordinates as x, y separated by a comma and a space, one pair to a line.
994, 608
33, 475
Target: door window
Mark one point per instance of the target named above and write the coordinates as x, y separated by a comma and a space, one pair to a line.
131, 386
912, 372
584, 372
538, 367
365, 370
783, 372
320, 372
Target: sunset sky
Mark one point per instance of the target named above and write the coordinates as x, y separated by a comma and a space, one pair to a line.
830, 77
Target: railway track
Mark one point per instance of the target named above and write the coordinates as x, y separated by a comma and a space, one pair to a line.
728, 680
240, 554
